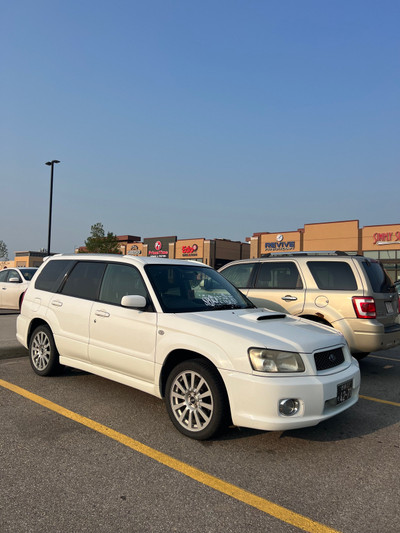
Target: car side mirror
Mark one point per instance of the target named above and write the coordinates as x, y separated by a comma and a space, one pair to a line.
134, 300
14, 280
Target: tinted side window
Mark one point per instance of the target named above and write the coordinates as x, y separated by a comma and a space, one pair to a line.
278, 275
52, 275
239, 275
333, 275
84, 280
378, 278
120, 280
12, 274
3, 275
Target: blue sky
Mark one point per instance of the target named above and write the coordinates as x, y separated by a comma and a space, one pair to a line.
211, 119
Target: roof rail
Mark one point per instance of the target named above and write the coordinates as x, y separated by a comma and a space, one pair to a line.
294, 254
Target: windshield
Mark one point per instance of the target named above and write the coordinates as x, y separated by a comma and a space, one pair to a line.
28, 273
192, 288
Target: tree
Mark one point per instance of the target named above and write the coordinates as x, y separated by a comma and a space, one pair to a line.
3, 252
100, 243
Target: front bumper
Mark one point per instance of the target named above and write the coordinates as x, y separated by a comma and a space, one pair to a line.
254, 399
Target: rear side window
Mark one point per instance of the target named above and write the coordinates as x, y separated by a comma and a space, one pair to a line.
52, 275
84, 280
119, 281
378, 278
278, 275
239, 275
333, 275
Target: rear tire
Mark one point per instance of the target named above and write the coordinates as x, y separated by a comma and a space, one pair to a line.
196, 400
43, 353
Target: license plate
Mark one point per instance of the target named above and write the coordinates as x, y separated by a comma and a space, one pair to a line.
389, 307
344, 391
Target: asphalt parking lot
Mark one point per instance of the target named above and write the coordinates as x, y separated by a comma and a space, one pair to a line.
80, 453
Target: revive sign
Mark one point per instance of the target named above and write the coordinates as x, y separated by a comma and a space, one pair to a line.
280, 245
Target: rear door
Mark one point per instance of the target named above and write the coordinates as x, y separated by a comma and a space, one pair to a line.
278, 285
69, 309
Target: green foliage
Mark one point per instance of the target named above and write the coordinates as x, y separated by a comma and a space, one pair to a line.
3, 251
100, 243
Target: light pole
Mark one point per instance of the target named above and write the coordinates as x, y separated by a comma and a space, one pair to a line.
50, 164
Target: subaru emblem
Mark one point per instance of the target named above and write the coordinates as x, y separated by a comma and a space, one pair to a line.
332, 358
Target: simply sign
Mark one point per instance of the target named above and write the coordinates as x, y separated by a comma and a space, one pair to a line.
390, 237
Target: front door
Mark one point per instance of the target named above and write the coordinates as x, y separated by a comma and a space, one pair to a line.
122, 339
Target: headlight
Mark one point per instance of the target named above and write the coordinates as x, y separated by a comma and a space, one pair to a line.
264, 360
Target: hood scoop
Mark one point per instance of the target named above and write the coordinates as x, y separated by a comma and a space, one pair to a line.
270, 317
258, 317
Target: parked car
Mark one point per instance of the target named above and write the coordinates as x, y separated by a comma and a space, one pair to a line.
351, 293
179, 331
13, 284
397, 286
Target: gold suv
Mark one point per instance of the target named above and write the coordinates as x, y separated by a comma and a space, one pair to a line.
348, 292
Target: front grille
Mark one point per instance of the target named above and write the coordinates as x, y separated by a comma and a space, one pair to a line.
329, 359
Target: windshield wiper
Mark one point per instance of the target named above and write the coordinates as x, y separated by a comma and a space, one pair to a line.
221, 307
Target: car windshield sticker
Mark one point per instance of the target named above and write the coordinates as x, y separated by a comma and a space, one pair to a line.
219, 299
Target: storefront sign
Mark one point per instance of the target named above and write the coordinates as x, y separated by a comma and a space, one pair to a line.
190, 251
187, 249
390, 237
135, 250
279, 245
158, 246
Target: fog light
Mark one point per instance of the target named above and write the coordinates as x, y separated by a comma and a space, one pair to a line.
289, 407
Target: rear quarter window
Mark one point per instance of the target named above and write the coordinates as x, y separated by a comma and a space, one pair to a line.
51, 276
333, 275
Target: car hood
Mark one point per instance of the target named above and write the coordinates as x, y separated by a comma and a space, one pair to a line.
257, 327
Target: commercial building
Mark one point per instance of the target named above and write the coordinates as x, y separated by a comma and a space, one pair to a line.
378, 242
213, 252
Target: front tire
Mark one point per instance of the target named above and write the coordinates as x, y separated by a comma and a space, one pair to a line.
43, 353
196, 399
360, 355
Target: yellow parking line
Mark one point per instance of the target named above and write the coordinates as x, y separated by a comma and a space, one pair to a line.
270, 508
379, 401
385, 358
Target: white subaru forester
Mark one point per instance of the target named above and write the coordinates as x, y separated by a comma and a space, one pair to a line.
182, 332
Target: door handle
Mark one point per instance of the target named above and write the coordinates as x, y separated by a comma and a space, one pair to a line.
56, 303
99, 312
289, 298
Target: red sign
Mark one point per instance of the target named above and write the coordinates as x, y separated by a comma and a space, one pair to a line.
189, 250
380, 238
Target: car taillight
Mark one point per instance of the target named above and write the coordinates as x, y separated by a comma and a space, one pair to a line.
364, 307
22, 299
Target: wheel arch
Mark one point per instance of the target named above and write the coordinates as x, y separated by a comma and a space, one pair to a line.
316, 318
36, 322
178, 356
